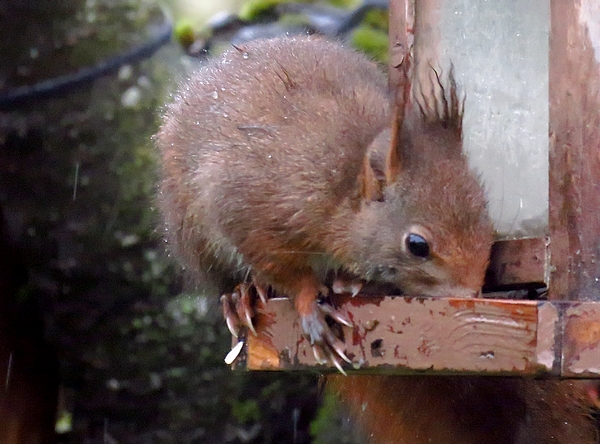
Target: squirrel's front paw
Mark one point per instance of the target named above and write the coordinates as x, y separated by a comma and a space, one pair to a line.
325, 344
238, 306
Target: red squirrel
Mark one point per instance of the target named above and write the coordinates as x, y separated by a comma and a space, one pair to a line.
283, 162
270, 158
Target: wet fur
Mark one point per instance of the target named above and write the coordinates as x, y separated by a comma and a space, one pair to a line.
261, 152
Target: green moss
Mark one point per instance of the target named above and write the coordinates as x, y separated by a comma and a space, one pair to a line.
331, 425
372, 42
324, 417
348, 4
255, 9
184, 32
246, 411
378, 19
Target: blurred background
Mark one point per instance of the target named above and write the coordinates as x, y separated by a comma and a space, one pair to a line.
102, 338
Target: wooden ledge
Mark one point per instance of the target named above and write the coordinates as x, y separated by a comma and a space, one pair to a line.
518, 263
415, 335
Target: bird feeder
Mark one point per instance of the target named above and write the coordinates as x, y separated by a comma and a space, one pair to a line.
546, 145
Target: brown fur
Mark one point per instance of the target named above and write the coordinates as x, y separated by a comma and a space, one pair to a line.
281, 160
261, 156
473, 410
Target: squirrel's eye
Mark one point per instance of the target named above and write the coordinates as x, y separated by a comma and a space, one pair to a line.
417, 245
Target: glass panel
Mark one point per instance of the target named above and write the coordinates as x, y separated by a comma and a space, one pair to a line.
499, 49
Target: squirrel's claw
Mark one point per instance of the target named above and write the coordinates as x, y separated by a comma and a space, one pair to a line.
230, 315
321, 337
341, 286
237, 308
337, 363
335, 314
262, 293
319, 353
244, 306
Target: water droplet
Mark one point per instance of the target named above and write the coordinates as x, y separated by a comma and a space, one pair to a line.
245, 55
215, 95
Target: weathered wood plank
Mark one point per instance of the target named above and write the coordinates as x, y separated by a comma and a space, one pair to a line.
415, 334
518, 263
574, 174
401, 36
581, 350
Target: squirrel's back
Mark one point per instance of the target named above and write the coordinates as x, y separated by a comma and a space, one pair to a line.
271, 135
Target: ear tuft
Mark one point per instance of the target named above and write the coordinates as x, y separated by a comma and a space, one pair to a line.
441, 105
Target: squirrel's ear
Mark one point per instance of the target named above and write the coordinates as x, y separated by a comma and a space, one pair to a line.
374, 168
393, 162
383, 161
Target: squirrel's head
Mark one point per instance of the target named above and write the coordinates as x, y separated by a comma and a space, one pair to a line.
423, 225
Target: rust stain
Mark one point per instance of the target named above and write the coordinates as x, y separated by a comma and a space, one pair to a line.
426, 347
582, 340
462, 304
357, 338
586, 333
583, 330
264, 318
391, 329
